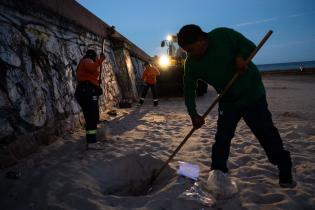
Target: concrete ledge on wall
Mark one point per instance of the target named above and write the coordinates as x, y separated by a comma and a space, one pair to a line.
73, 11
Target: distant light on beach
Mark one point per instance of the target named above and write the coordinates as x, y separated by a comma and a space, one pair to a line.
164, 61
169, 38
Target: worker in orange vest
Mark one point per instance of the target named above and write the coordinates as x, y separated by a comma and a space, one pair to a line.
87, 93
149, 77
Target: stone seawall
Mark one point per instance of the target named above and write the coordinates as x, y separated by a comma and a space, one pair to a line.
40, 47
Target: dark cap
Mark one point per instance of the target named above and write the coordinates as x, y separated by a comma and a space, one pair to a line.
90, 54
189, 34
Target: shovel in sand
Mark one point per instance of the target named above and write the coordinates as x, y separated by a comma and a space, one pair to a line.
217, 99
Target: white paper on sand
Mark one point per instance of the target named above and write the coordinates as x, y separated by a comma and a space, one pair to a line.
189, 170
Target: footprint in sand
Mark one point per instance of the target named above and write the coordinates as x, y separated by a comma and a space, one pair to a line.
270, 198
251, 150
291, 135
244, 160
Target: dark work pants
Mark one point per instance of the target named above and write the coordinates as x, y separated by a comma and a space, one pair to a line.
258, 118
145, 91
86, 95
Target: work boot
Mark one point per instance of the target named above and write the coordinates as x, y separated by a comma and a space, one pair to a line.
220, 185
141, 101
285, 171
286, 179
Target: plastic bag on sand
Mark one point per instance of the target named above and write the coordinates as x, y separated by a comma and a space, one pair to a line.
195, 193
220, 185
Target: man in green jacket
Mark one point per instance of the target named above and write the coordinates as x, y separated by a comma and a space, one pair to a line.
215, 57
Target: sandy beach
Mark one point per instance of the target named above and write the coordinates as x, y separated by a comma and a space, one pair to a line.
63, 176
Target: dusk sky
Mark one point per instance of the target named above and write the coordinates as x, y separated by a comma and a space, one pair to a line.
147, 22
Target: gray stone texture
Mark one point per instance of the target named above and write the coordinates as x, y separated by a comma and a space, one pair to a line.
39, 53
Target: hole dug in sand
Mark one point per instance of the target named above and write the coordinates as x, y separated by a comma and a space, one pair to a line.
130, 175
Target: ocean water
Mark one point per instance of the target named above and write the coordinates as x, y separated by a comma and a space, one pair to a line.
286, 66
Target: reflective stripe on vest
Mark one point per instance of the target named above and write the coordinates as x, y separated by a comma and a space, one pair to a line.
91, 132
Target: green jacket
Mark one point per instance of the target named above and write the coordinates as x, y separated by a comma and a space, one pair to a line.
217, 68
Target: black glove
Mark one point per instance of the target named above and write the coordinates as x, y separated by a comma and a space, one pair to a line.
99, 91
